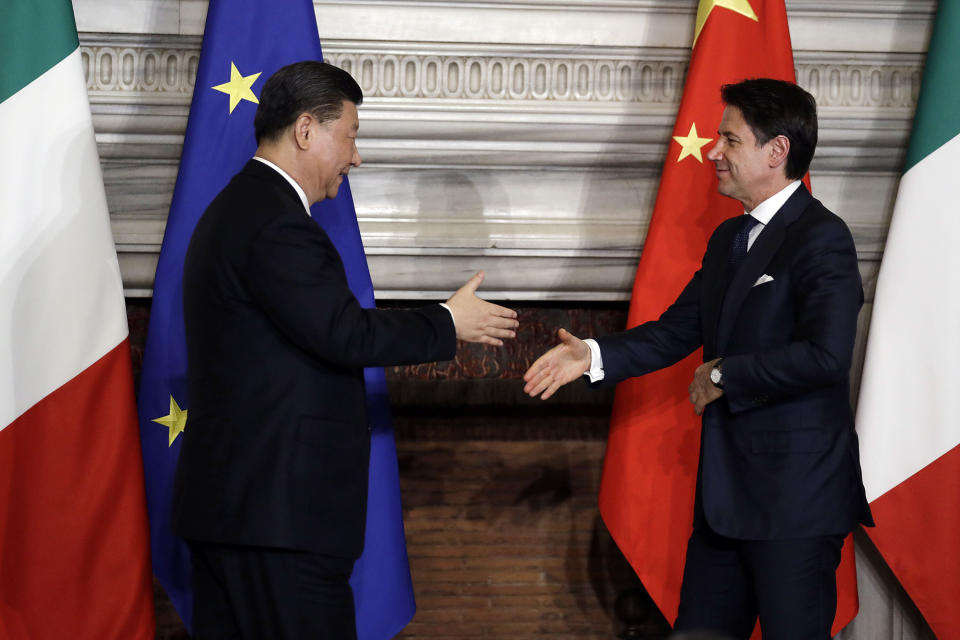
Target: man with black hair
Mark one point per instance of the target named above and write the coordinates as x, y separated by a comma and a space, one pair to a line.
271, 485
774, 306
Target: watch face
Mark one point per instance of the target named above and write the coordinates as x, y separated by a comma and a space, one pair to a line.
715, 375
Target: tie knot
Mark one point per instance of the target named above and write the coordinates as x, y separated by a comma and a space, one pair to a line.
749, 223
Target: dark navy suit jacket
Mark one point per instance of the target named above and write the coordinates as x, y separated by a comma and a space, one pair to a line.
779, 456
276, 449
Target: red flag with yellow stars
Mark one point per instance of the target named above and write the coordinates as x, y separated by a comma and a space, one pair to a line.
647, 491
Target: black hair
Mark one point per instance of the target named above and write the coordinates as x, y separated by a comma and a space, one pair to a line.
309, 86
775, 107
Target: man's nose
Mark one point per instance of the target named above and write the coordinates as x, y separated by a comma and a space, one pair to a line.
355, 160
714, 153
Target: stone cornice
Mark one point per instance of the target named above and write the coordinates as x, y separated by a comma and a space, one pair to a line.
861, 25
160, 65
435, 103
538, 160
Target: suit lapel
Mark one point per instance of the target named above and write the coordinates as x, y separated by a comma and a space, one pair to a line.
714, 273
256, 169
756, 261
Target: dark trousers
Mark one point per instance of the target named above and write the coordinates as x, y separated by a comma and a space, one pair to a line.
253, 593
790, 585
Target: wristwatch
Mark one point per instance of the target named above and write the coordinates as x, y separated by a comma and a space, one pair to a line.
716, 374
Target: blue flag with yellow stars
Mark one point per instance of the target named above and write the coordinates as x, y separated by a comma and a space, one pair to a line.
244, 42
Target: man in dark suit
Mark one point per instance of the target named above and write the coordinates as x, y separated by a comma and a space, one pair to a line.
271, 484
774, 306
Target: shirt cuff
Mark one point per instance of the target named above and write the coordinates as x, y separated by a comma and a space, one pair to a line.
454, 320
595, 372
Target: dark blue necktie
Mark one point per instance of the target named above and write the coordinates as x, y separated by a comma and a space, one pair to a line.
738, 250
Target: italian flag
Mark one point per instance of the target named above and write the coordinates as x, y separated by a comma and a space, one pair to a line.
74, 559
908, 417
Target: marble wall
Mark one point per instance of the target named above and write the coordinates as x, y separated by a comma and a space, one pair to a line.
523, 137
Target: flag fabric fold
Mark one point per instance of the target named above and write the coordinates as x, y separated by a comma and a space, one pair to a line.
909, 431
244, 42
647, 487
74, 550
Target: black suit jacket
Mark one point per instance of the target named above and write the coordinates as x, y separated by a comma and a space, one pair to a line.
276, 448
779, 456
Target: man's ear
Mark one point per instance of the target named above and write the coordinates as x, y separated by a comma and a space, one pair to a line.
779, 150
303, 130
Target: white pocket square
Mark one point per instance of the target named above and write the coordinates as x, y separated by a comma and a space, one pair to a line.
763, 280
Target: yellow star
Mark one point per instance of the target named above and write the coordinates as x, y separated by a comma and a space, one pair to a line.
691, 144
238, 88
707, 6
176, 421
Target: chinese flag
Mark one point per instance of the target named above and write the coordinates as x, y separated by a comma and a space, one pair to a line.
647, 490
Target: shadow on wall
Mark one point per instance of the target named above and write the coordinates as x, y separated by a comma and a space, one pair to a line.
462, 200
453, 208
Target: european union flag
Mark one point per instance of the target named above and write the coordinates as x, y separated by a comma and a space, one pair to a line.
244, 42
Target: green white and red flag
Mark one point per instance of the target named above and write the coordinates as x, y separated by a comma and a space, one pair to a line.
74, 550
907, 414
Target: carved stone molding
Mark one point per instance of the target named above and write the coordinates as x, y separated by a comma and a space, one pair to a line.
535, 161
118, 66
890, 82
437, 104
152, 67
492, 77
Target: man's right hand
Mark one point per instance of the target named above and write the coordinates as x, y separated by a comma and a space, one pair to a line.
477, 320
564, 363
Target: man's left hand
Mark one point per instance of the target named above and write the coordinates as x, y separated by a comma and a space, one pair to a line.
702, 391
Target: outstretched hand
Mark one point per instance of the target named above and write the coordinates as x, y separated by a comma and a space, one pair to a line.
562, 364
477, 320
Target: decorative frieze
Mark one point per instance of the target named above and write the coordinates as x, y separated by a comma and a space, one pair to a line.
517, 77
117, 66
537, 161
634, 78
886, 83
124, 65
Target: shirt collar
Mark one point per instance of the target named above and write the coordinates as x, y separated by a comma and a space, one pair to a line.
765, 211
293, 183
